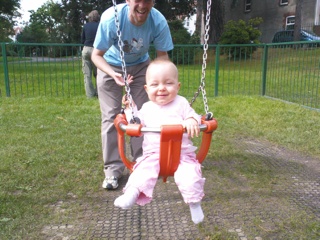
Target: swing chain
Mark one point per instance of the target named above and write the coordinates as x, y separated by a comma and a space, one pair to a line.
123, 63
204, 64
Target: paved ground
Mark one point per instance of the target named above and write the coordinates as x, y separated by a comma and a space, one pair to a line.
231, 207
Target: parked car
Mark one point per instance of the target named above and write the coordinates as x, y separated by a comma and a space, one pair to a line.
288, 35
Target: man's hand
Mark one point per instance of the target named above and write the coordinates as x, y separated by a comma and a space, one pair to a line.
120, 80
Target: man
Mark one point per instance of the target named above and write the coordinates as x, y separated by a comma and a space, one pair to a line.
140, 26
87, 38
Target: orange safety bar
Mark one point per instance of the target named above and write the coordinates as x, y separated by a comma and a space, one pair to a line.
170, 143
170, 149
206, 138
121, 119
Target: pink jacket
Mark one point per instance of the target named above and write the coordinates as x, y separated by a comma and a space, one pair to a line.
154, 115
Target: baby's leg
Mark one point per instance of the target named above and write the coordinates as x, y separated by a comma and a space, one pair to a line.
190, 182
128, 199
141, 183
197, 215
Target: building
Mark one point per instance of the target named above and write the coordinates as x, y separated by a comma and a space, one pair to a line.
276, 14
17, 31
190, 23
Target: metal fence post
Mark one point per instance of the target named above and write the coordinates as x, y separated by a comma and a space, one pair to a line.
216, 82
264, 69
5, 68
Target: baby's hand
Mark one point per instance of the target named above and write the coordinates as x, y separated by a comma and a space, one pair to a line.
126, 102
192, 127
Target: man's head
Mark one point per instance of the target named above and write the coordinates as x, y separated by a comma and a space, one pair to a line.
139, 10
94, 16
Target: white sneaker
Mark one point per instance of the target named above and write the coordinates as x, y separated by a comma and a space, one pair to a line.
110, 183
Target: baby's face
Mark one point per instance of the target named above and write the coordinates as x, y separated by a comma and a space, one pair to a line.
162, 83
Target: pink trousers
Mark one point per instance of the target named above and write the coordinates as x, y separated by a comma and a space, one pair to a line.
188, 178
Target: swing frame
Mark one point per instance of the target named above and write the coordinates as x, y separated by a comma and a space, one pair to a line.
170, 142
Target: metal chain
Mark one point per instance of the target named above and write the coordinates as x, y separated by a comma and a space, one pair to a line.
204, 64
123, 63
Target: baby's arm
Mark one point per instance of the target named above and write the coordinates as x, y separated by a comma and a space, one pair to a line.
126, 102
130, 112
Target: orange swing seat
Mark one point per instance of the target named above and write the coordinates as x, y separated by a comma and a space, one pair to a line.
170, 142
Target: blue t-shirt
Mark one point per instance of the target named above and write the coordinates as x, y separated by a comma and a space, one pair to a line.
136, 39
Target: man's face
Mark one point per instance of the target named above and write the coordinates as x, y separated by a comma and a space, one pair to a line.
139, 10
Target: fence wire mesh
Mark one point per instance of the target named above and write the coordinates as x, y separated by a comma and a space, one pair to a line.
290, 71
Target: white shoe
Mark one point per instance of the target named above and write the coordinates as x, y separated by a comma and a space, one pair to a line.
110, 183
128, 199
196, 212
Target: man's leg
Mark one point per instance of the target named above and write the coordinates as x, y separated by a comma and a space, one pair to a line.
110, 96
139, 96
87, 72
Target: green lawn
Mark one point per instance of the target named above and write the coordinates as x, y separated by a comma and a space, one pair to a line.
50, 147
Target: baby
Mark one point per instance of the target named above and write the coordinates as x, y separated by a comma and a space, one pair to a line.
165, 107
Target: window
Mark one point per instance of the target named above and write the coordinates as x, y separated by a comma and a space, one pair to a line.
247, 5
284, 2
290, 20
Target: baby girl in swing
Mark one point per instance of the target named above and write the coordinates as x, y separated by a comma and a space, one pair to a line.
165, 107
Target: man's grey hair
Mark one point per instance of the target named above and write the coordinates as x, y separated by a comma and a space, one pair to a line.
94, 16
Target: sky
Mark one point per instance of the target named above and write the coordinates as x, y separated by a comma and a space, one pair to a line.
26, 5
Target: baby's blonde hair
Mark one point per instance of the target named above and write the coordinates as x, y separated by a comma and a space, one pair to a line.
159, 62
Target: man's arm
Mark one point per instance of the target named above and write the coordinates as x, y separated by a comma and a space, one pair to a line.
98, 60
162, 55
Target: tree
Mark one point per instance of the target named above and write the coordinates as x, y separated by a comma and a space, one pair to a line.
199, 18
241, 32
60, 22
8, 10
44, 24
297, 22
63, 22
180, 35
216, 20
175, 9
73, 16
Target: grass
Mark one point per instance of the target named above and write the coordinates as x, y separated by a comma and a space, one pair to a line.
274, 121
47, 144
57, 77
50, 152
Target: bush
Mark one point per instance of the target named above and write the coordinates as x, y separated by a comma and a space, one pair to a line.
180, 35
195, 38
241, 32
12, 53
